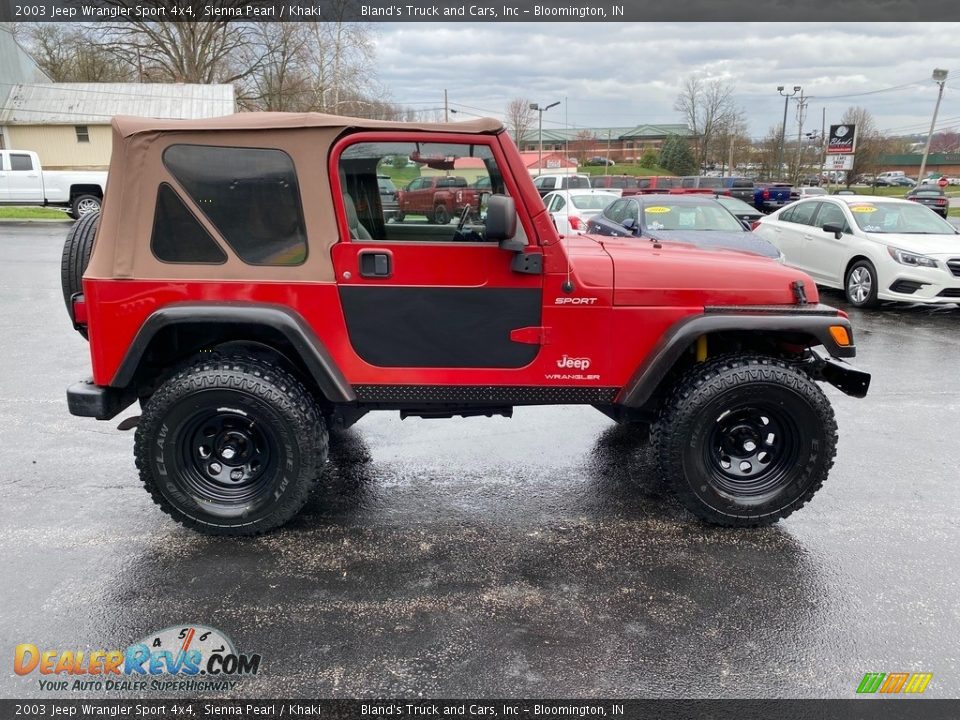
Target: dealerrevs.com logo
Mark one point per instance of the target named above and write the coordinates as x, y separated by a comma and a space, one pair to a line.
179, 658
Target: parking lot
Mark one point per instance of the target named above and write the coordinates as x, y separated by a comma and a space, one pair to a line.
532, 557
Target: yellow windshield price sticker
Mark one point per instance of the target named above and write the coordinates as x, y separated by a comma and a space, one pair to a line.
863, 209
656, 210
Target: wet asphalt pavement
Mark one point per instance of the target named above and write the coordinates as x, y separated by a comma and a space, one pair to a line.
532, 557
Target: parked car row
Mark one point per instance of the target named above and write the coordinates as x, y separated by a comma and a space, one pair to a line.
873, 248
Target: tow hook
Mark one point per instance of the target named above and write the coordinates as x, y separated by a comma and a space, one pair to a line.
842, 376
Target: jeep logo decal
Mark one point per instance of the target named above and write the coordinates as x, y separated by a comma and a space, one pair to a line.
575, 363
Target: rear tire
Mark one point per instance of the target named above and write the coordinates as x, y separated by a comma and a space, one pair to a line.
745, 440
76, 256
231, 446
441, 216
84, 205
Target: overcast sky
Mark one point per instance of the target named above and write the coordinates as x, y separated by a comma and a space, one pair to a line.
630, 73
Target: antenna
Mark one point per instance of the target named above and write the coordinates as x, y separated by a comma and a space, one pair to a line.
567, 285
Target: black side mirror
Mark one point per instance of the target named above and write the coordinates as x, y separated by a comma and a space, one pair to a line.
631, 225
834, 228
502, 222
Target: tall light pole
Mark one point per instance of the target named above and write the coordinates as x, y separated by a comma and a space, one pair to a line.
940, 78
541, 110
783, 128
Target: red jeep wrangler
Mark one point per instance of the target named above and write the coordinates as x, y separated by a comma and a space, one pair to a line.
237, 293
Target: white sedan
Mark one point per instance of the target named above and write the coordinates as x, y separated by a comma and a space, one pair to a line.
873, 248
571, 209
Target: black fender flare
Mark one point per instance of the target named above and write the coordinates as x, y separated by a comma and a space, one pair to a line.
291, 325
810, 320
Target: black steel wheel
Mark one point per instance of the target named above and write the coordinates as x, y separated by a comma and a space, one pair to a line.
745, 440
441, 216
231, 446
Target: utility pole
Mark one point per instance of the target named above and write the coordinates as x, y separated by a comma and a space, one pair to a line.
730, 158
446, 107
940, 78
783, 127
823, 145
801, 110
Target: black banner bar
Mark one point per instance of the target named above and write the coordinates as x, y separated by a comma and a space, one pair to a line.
872, 708
452, 11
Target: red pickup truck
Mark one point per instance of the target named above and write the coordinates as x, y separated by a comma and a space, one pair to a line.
439, 198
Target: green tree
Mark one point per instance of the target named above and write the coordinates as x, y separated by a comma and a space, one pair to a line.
677, 157
649, 159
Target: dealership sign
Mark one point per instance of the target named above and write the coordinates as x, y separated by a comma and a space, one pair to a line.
839, 162
842, 140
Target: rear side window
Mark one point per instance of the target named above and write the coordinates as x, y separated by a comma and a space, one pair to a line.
178, 237
576, 182
250, 195
801, 213
20, 162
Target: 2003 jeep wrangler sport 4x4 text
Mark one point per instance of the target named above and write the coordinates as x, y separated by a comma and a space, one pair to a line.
243, 284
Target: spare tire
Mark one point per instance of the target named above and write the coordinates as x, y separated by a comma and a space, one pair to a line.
76, 255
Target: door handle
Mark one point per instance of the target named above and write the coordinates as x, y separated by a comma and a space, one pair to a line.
376, 263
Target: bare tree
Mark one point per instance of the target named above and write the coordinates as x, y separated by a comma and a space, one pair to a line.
72, 53
945, 141
768, 153
583, 143
519, 119
707, 106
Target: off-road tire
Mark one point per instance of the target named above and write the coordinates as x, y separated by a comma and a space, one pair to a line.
272, 413
76, 256
79, 205
871, 299
441, 216
693, 436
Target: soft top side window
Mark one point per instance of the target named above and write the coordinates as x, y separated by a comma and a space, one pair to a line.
250, 195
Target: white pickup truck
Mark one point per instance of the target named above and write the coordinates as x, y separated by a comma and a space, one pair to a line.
24, 182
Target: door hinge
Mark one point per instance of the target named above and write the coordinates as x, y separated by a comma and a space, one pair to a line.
531, 335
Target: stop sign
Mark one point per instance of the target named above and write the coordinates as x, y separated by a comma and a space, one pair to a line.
942, 182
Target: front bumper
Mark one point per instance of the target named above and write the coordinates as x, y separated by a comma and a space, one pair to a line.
84, 399
920, 285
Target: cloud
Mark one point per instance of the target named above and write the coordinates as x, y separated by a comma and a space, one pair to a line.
630, 73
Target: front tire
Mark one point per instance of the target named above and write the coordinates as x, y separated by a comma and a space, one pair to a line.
231, 446
860, 285
745, 440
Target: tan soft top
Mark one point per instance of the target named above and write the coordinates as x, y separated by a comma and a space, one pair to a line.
122, 248
128, 126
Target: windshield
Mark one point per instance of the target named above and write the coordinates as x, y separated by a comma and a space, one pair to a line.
907, 218
594, 201
706, 216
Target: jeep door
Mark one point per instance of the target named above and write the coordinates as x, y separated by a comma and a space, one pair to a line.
417, 295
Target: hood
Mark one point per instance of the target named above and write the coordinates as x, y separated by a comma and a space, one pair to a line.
679, 274
743, 241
